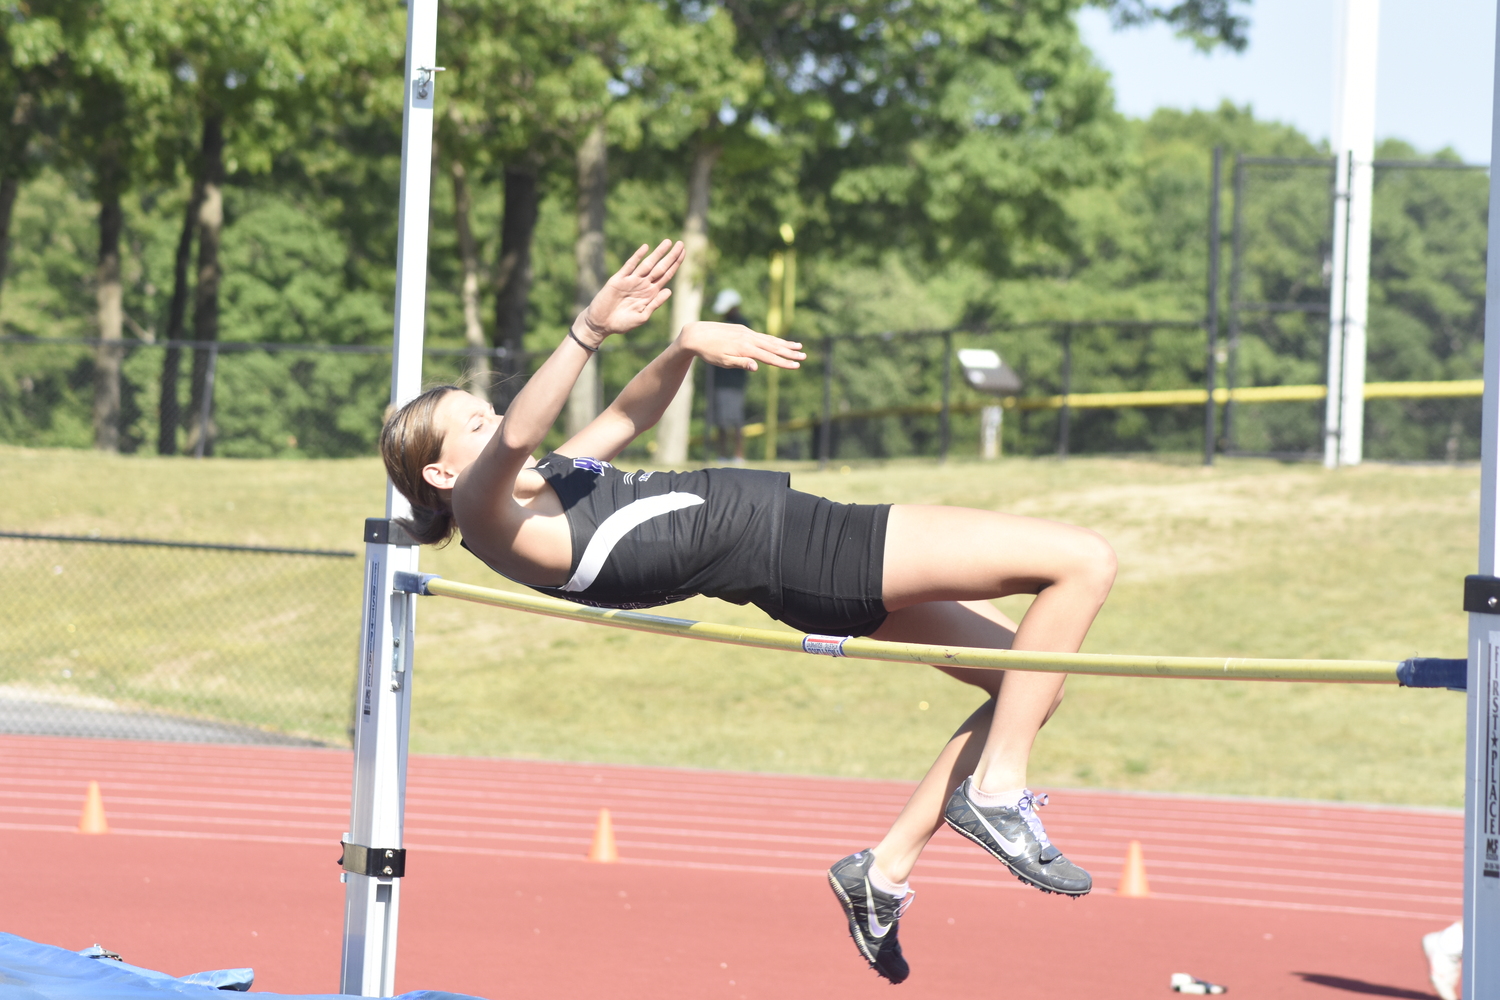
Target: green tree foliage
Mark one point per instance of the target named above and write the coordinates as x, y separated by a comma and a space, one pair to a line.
945, 164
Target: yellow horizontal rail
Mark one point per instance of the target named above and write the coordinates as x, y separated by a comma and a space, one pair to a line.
1102, 664
1152, 397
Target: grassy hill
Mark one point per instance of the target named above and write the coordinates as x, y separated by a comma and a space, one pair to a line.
1251, 558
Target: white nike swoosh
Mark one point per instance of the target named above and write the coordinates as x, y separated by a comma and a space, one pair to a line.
616, 526
876, 930
1015, 850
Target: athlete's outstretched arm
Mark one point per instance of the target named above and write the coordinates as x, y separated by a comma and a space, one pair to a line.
626, 301
641, 403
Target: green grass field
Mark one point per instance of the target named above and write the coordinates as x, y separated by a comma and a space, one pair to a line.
1251, 558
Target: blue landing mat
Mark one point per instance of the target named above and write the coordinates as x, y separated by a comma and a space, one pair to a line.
31, 971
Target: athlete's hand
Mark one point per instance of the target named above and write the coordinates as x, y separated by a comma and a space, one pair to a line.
632, 294
730, 345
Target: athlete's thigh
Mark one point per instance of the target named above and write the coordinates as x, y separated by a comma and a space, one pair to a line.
961, 554
953, 623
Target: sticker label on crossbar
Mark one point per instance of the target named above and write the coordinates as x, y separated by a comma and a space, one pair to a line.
824, 645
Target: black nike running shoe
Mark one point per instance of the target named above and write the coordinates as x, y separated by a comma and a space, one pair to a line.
873, 915
1015, 836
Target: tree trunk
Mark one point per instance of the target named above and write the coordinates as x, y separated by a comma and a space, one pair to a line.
10, 186
513, 280
687, 302
17, 137
585, 401
169, 410
111, 315
479, 351
206, 298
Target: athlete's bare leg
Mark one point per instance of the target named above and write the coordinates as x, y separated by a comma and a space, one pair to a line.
937, 557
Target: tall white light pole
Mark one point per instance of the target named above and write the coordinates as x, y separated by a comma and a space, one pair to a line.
374, 858
1353, 142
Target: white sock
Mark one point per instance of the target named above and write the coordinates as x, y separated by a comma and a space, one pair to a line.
882, 881
989, 800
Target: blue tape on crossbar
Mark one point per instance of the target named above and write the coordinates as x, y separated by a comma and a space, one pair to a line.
1432, 672
413, 583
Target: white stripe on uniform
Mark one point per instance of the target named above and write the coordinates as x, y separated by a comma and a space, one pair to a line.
619, 524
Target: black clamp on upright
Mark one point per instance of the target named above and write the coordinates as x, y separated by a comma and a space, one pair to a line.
384, 531
1482, 594
376, 862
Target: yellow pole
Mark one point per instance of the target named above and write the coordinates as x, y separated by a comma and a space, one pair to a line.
1099, 664
774, 328
789, 285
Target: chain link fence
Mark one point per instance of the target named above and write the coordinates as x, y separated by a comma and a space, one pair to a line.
141, 639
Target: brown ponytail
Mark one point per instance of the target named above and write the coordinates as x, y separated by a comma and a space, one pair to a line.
409, 442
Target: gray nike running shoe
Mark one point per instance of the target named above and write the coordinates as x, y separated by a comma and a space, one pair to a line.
1015, 836
873, 915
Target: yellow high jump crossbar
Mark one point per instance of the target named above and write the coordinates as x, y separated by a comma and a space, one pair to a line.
1415, 672
1153, 397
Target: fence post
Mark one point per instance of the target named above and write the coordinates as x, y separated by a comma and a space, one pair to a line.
1065, 415
1236, 272
206, 412
1211, 376
825, 431
944, 421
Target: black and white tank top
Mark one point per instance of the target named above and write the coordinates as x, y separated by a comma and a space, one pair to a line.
641, 539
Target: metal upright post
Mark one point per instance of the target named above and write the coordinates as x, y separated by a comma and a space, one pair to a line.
1211, 374
825, 431
1482, 601
374, 858
945, 423
1065, 415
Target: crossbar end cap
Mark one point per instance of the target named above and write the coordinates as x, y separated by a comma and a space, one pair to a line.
1434, 672
413, 583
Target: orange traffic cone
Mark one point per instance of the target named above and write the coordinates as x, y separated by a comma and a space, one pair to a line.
1133, 878
93, 820
603, 848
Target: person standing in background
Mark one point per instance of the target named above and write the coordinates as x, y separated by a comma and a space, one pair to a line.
725, 391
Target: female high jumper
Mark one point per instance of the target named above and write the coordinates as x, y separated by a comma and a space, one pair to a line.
573, 526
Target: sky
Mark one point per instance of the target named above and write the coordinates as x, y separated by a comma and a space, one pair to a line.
1434, 85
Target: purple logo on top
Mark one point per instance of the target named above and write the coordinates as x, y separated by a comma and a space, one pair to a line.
591, 465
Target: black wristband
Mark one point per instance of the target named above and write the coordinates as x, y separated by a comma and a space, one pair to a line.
580, 343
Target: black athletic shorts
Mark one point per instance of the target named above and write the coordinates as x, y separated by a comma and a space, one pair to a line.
832, 565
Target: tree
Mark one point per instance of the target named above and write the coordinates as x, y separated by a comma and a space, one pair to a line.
110, 76
526, 87
699, 85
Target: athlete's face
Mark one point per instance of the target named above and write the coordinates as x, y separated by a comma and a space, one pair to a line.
467, 424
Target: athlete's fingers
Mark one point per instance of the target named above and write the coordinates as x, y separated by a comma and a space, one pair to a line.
645, 268
667, 265
785, 348
778, 360
628, 267
753, 353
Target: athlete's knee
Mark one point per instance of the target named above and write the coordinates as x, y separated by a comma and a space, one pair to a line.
1092, 562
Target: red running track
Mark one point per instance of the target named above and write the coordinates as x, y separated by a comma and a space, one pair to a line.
225, 856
